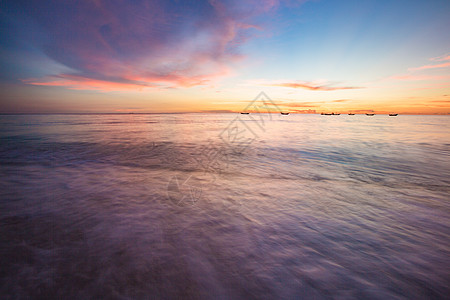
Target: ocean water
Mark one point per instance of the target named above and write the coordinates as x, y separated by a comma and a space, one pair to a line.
224, 206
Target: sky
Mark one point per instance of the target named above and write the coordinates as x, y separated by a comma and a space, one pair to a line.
162, 56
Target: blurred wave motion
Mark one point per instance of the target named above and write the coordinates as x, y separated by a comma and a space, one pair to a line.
135, 206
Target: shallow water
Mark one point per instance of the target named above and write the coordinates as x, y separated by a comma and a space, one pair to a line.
178, 205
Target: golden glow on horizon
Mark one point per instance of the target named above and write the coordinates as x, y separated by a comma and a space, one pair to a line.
214, 58
421, 90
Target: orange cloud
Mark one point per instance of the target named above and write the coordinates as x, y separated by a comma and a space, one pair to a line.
311, 86
304, 104
310, 103
341, 100
441, 101
361, 110
304, 111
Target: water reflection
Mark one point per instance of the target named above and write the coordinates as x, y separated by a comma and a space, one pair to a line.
314, 207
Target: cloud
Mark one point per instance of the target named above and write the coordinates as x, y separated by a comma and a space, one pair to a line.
310, 103
361, 110
303, 104
307, 111
410, 77
141, 44
310, 86
442, 58
75, 82
444, 65
341, 100
218, 111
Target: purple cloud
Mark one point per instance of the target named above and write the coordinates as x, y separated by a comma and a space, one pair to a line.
150, 43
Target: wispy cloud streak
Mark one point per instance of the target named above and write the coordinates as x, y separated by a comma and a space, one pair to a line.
444, 65
410, 77
416, 74
445, 57
311, 86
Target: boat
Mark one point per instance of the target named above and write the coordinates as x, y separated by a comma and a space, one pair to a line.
285, 113
350, 114
393, 115
330, 114
244, 113
370, 114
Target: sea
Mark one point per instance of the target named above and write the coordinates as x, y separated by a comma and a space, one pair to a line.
224, 206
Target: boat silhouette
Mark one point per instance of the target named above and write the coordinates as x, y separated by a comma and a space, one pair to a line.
284, 113
370, 114
393, 115
350, 114
245, 113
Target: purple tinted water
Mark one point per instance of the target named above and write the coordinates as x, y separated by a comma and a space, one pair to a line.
171, 206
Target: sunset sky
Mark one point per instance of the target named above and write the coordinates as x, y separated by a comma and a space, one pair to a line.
212, 56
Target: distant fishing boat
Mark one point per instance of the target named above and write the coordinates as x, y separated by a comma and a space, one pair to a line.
351, 114
244, 113
330, 114
370, 114
393, 115
284, 113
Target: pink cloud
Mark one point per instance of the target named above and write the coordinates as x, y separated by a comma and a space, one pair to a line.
444, 57
412, 77
129, 81
443, 65
417, 77
144, 44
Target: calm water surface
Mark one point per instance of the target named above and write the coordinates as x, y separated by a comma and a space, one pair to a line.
201, 206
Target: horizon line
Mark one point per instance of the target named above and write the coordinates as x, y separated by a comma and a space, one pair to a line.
202, 112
